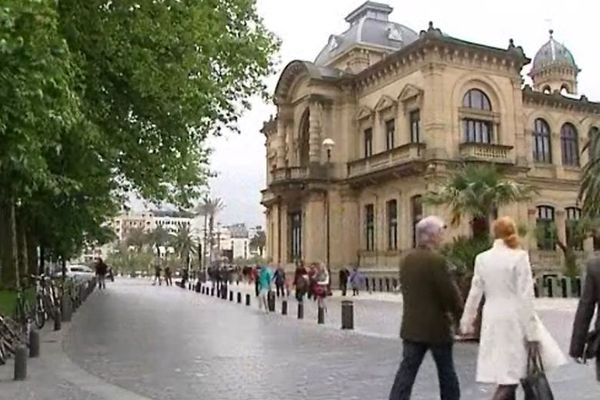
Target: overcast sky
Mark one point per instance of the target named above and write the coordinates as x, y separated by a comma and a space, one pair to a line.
304, 27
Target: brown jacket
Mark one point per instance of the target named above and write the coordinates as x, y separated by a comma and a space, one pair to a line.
432, 303
589, 302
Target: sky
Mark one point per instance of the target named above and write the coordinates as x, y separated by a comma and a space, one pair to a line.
304, 27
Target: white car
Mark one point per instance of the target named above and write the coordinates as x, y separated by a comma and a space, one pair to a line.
78, 272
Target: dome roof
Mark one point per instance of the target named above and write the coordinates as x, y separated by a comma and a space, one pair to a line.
369, 25
553, 53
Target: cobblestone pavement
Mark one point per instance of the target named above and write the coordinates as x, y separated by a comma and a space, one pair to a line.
170, 343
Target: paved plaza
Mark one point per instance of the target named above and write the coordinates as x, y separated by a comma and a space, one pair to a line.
136, 341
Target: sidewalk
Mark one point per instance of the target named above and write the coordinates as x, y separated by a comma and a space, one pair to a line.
54, 376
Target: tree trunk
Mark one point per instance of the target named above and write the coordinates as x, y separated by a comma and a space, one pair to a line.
211, 226
6, 273
14, 259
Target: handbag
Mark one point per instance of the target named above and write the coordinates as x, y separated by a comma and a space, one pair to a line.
592, 345
535, 384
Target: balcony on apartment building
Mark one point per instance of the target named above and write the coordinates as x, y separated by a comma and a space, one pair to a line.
488, 152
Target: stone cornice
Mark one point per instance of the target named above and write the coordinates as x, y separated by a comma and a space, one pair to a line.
557, 100
433, 46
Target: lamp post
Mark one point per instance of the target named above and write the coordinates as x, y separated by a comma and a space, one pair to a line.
328, 145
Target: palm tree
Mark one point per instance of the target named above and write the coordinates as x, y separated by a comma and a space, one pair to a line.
211, 209
259, 241
202, 210
137, 238
589, 191
159, 237
184, 244
478, 191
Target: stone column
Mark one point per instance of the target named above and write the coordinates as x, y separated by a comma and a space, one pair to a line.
350, 228
280, 145
532, 223
315, 128
314, 240
561, 225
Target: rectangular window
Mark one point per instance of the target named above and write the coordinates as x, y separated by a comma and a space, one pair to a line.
574, 239
415, 126
546, 230
416, 206
368, 142
477, 131
392, 220
390, 130
370, 226
295, 239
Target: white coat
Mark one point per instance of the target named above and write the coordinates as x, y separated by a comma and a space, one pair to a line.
503, 276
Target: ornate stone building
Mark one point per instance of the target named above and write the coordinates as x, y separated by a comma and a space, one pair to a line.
381, 114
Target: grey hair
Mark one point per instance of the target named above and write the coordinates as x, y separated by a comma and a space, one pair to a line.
428, 229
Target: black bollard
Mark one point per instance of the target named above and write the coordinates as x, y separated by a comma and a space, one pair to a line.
300, 310
34, 343
321, 315
212, 291
230, 296
347, 314
239, 298
57, 320
66, 309
247, 299
21, 363
284, 307
271, 301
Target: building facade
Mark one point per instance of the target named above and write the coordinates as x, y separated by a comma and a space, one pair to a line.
382, 115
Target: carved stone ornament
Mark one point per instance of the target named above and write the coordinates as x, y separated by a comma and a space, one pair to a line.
364, 113
384, 103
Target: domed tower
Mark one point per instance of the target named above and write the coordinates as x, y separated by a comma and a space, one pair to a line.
370, 37
554, 68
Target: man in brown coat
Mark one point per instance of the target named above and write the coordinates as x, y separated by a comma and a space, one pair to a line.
432, 305
589, 302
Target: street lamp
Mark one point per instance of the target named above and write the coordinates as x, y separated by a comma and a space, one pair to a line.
328, 145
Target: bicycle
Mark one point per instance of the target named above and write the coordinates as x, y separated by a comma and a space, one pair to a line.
10, 338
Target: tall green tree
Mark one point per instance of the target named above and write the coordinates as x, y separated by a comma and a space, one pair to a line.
159, 237
184, 245
477, 191
137, 238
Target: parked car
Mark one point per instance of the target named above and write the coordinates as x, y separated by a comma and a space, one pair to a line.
78, 272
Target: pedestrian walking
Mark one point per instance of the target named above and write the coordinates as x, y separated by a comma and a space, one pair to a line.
168, 277
157, 271
265, 278
586, 344
430, 296
280, 281
255, 274
356, 280
343, 276
101, 271
300, 281
321, 286
511, 331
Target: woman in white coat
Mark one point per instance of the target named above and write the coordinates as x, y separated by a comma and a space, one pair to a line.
510, 327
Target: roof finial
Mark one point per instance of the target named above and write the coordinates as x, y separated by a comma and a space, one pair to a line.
430, 24
551, 31
511, 43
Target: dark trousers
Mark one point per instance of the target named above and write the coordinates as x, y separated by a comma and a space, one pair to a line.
344, 287
280, 289
256, 288
413, 354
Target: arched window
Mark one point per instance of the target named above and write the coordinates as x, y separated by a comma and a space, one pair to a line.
574, 239
542, 150
569, 145
477, 128
304, 138
477, 100
416, 207
546, 232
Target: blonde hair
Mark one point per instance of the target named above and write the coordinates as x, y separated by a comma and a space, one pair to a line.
505, 228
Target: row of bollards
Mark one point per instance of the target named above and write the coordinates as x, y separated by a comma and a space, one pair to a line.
69, 305
347, 306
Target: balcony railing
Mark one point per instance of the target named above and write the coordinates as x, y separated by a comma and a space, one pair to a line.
291, 174
387, 159
486, 152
